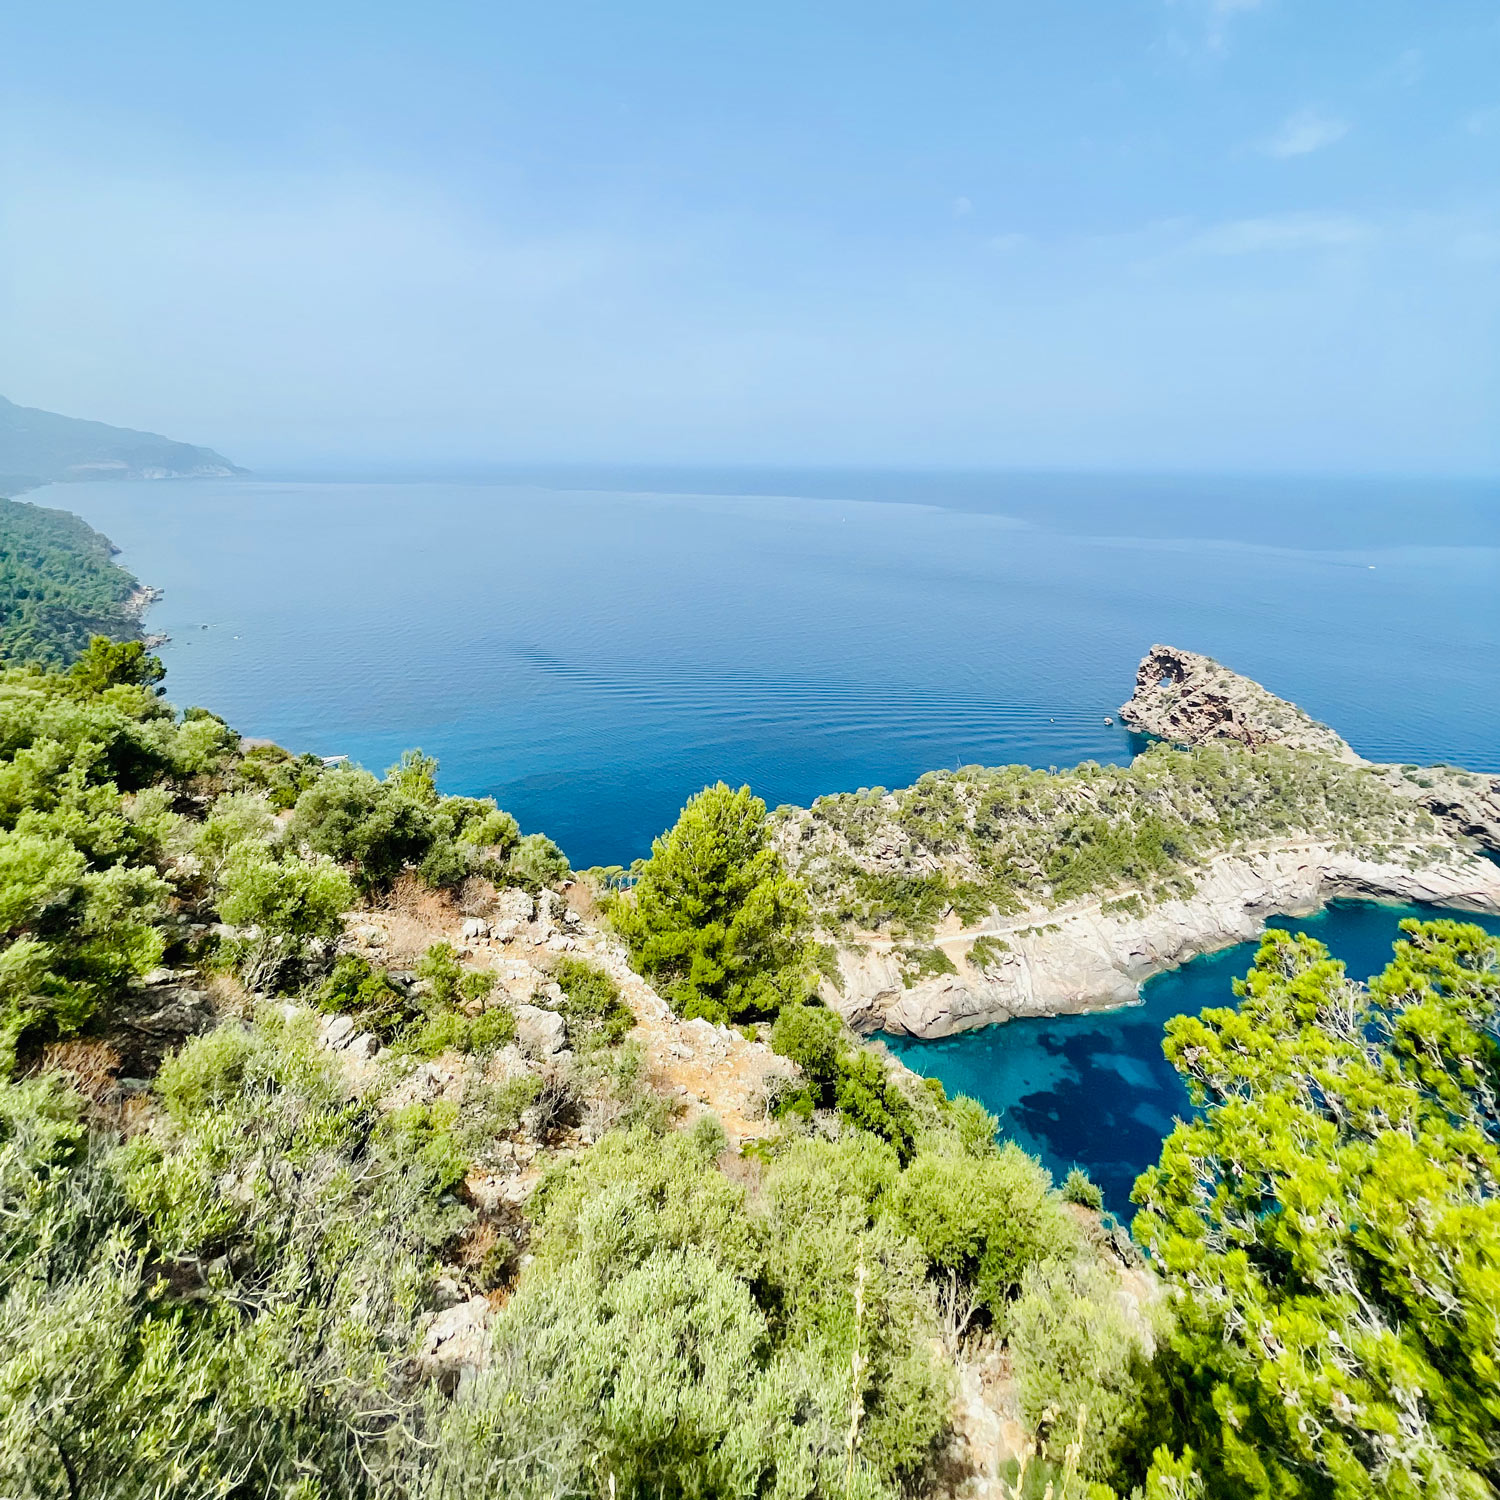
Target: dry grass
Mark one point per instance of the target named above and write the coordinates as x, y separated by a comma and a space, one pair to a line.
416, 918
91, 1067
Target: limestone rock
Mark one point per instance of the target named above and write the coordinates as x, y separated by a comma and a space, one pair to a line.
1080, 957
1191, 699
514, 905
337, 1031
1466, 802
456, 1345
542, 1033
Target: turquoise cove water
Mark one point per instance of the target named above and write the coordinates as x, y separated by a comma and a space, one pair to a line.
1095, 1091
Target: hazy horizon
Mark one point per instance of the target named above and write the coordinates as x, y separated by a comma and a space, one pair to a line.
1167, 236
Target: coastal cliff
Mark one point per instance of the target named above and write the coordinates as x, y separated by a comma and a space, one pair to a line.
980, 895
1084, 956
1190, 699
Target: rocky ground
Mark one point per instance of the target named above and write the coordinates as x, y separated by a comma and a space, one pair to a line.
515, 937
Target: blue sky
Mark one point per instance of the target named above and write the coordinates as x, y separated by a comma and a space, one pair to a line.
1142, 234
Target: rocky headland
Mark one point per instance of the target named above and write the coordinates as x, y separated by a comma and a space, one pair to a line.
1192, 700
981, 895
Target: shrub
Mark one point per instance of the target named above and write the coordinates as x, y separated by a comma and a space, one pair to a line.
369, 994
918, 964
451, 1030
867, 1098
536, 862
74, 936
106, 664
844, 1076
414, 777
981, 1224
483, 825
592, 1005
1078, 1189
207, 1073
426, 1137
1328, 1220
358, 821
284, 905
1075, 1352
282, 776
813, 1038
669, 1335
235, 819
445, 864
440, 967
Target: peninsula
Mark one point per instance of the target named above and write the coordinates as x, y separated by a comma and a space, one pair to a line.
979, 895
42, 447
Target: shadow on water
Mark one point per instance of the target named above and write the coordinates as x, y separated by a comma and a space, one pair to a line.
1094, 1090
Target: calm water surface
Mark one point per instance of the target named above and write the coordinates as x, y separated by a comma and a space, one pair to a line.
590, 649
593, 656
1095, 1091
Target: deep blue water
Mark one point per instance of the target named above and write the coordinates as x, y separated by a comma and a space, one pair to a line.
591, 656
1095, 1091
592, 648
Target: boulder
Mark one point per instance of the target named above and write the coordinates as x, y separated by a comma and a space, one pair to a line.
338, 1031
542, 1033
514, 905
456, 1345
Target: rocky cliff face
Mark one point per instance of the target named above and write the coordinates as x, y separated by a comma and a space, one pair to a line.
1190, 700
1467, 803
1093, 955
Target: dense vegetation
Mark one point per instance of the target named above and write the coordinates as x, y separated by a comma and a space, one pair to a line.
985, 839
1333, 1222
228, 1249
59, 585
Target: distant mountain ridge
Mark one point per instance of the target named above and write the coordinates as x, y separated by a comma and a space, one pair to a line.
41, 447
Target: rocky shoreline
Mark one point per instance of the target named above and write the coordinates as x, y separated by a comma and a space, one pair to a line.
1095, 954
1066, 960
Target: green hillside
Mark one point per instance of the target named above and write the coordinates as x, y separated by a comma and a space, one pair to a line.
59, 584
41, 447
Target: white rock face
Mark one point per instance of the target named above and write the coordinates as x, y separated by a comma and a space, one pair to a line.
456, 1345
1079, 958
542, 1033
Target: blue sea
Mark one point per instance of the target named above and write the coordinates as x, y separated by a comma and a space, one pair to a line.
591, 647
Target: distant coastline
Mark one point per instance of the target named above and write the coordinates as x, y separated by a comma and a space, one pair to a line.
41, 447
